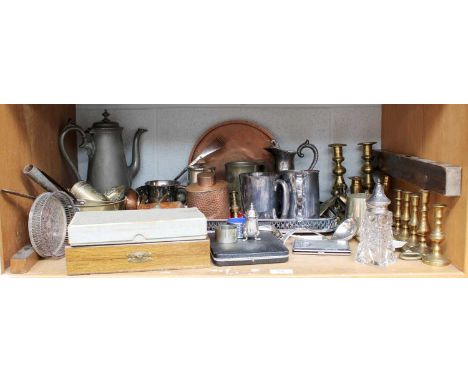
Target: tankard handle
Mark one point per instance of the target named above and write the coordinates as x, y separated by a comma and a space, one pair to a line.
71, 126
285, 209
308, 145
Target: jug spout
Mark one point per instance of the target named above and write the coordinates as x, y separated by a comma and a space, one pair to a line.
135, 165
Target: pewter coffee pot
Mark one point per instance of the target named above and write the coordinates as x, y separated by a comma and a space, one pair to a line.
107, 166
284, 159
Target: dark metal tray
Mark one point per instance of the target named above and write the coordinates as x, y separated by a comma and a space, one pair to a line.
268, 250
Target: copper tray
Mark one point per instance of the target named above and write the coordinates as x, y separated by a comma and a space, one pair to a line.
244, 141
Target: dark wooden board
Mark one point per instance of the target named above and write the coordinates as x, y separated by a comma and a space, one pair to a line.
444, 179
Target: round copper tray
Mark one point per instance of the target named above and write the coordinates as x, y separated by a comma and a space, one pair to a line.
244, 141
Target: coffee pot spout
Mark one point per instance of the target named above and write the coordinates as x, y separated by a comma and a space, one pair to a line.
135, 165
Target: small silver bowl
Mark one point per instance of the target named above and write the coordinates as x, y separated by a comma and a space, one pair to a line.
226, 234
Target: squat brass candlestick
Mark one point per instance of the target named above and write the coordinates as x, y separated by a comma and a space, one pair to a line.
423, 227
397, 213
368, 182
405, 217
356, 184
436, 258
340, 187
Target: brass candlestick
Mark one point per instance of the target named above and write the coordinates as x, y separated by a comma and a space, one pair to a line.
413, 223
368, 182
409, 252
340, 187
436, 258
405, 217
386, 184
397, 213
423, 227
356, 184
234, 206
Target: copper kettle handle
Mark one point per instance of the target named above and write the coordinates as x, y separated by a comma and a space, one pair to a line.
308, 145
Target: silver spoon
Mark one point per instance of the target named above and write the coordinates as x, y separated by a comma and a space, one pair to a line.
346, 230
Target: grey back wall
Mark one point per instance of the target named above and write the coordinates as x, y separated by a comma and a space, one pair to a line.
173, 129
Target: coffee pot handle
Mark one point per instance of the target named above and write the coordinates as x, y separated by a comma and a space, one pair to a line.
284, 186
71, 126
308, 145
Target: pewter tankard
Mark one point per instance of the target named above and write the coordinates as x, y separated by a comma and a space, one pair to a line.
261, 190
304, 200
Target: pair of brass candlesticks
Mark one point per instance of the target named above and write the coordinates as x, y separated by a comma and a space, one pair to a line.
337, 203
411, 225
358, 184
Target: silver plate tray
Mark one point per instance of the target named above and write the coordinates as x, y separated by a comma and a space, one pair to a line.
322, 225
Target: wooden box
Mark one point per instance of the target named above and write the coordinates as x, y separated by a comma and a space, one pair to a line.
138, 257
136, 226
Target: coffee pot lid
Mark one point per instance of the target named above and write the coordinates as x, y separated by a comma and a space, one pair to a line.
106, 123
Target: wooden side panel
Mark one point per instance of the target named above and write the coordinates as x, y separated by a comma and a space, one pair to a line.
440, 133
29, 135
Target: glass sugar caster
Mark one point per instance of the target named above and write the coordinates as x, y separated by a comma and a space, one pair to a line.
376, 236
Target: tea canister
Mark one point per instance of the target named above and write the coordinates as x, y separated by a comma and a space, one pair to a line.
209, 196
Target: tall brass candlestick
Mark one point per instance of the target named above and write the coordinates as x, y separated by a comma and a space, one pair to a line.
436, 258
397, 213
423, 227
340, 187
413, 223
405, 216
409, 253
356, 184
386, 184
368, 182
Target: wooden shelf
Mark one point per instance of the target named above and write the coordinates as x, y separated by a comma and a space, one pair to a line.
297, 266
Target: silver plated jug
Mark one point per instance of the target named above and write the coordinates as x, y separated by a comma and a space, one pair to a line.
284, 159
107, 166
